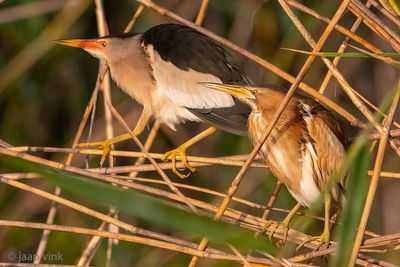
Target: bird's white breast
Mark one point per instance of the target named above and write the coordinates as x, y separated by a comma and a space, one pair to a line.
309, 192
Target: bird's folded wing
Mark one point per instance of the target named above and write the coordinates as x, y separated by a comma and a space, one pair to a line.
231, 119
181, 58
328, 142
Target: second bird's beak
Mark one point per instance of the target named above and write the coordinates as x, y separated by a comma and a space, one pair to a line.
241, 92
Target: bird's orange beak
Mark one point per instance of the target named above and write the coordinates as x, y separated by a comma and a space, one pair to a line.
88, 44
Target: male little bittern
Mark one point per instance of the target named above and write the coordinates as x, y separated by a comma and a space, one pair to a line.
161, 69
304, 149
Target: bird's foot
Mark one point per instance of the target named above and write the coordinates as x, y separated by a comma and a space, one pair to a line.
323, 239
181, 153
106, 145
272, 226
103, 145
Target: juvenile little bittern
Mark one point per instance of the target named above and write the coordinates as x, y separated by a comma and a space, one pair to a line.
304, 149
161, 69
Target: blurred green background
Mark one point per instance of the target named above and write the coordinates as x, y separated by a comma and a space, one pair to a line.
44, 106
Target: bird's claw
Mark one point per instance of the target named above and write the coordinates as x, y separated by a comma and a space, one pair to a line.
275, 225
324, 238
181, 153
103, 145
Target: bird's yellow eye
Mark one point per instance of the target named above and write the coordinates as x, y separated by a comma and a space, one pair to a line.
103, 43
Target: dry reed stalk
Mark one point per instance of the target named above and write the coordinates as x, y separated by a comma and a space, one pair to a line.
240, 256
161, 193
90, 212
211, 254
234, 160
375, 24
160, 171
348, 33
293, 235
375, 176
147, 145
92, 246
271, 200
202, 12
290, 234
89, 251
135, 16
372, 242
211, 208
102, 28
385, 12
57, 191
341, 49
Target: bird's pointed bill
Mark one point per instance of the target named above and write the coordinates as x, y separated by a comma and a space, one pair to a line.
88, 44
235, 90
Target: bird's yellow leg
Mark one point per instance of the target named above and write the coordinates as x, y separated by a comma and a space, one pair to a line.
324, 238
284, 223
181, 152
106, 145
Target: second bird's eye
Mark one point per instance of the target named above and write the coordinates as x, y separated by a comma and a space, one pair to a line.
103, 43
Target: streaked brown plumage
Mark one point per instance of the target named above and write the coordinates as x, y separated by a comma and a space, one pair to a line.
305, 147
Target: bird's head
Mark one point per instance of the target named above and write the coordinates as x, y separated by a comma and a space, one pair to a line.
245, 93
108, 48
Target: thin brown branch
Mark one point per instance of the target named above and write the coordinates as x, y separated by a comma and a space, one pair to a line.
341, 49
211, 254
236, 215
148, 156
234, 160
375, 24
375, 177
202, 12
92, 246
135, 16
53, 209
272, 200
385, 12
88, 211
147, 146
338, 27
94, 242
102, 28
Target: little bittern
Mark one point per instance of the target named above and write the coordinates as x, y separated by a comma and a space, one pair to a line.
304, 149
161, 69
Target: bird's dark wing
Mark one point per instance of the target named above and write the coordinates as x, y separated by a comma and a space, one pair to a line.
232, 119
196, 58
189, 49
